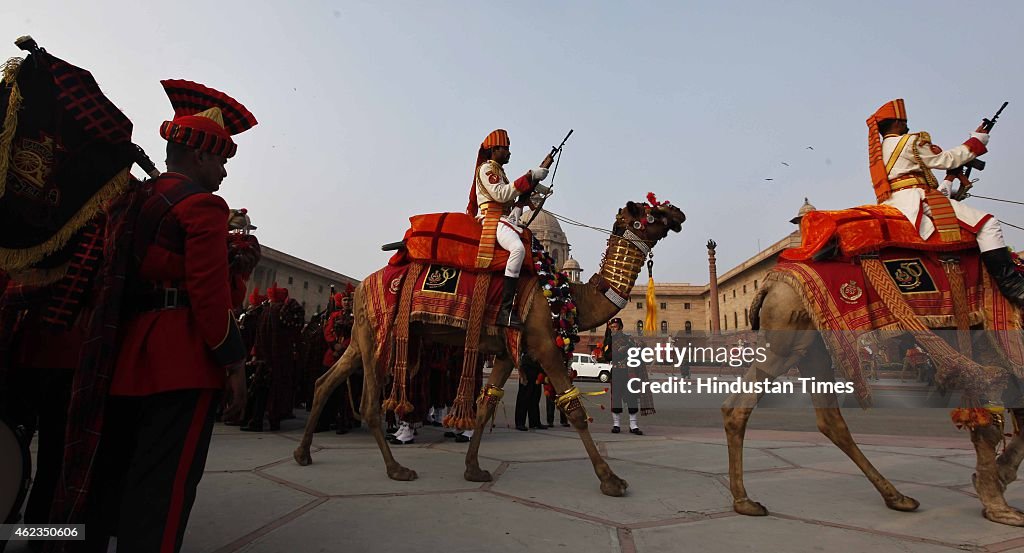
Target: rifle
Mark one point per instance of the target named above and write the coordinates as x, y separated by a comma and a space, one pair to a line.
964, 174
28, 44
555, 154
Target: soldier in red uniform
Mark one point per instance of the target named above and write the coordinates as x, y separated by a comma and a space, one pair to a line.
180, 346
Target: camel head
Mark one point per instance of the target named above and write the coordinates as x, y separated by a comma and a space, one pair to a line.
651, 220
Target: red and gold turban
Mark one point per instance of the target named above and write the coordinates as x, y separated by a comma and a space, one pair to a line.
277, 295
879, 176
256, 297
498, 137
204, 118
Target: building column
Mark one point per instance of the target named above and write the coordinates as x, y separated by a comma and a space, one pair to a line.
716, 320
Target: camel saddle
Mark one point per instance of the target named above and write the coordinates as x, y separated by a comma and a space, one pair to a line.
867, 268
452, 239
866, 229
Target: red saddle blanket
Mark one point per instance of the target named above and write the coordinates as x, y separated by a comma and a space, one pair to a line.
866, 229
441, 295
843, 305
451, 239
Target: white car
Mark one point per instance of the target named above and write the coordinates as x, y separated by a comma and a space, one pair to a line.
587, 367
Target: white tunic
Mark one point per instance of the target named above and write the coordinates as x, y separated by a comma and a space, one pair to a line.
910, 201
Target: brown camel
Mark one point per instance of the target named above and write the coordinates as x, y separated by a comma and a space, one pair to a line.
780, 311
638, 227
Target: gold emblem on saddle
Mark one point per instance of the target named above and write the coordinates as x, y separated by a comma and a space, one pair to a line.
441, 279
910, 276
850, 292
32, 163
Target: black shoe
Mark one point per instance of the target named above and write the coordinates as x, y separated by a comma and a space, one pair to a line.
521, 428
616, 430
341, 430
540, 426
450, 434
1002, 269
461, 439
636, 431
565, 424
507, 315
251, 428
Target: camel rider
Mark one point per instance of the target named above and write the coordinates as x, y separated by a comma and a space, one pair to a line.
497, 204
901, 173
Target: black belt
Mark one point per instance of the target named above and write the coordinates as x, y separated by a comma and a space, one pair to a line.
159, 299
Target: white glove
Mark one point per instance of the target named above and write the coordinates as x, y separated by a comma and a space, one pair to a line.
541, 189
538, 174
982, 136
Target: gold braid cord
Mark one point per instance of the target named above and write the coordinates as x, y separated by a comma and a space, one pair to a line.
10, 123
621, 265
953, 368
463, 412
398, 401
958, 290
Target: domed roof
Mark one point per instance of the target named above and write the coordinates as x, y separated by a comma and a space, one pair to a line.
804, 210
545, 227
571, 265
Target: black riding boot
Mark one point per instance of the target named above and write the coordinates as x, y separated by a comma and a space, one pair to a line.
1001, 267
507, 315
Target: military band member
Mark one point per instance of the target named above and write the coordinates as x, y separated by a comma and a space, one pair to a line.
901, 173
180, 346
496, 203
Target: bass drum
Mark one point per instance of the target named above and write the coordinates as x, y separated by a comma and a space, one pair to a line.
15, 471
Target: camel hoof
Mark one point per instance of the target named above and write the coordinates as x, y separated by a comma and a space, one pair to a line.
614, 486
749, 507
903, 503
302, 456
477, 474
403, 474
1008, 516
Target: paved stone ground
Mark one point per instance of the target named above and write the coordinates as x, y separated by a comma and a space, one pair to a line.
545, 497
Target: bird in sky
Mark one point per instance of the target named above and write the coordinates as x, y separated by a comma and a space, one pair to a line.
786, 164
810, 147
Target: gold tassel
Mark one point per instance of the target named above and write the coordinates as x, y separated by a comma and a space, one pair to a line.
10, 77
652, 308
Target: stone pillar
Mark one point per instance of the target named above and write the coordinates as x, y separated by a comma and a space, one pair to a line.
716, 319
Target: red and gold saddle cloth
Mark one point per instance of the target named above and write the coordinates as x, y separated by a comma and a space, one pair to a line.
441, 295
452, 239
867, 229
844, 305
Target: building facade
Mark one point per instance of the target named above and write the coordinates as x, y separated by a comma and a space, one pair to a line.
309, 284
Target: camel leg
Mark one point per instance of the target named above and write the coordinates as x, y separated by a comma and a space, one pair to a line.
371, 412
499, 375
736, 412
325, 386
553, 363
832, 424
986, 478
1009, 460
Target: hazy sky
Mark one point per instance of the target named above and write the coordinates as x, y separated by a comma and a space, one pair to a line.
372, 111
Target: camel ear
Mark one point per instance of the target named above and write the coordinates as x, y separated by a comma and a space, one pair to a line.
634, 209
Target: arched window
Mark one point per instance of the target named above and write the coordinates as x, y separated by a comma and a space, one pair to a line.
639, 328
689, 327
664, 328
755, 285
746, 320
735, 320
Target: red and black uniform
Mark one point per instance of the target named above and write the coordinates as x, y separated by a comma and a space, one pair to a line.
274, 352
178, 336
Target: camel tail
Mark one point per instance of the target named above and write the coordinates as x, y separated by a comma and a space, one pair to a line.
755, 308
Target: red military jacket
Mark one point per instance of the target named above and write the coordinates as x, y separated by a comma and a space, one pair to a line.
185, 347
